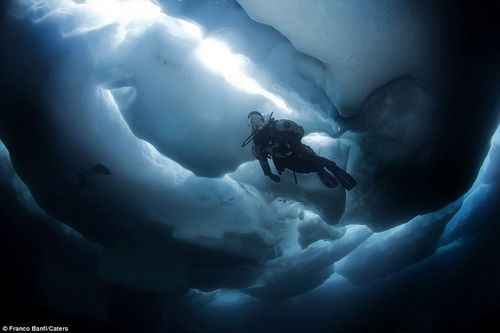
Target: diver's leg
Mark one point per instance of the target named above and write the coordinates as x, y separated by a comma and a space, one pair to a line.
306, 158
307, 161
278, 164
318, 163
329, 164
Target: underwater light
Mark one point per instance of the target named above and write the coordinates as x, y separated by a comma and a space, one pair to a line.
127, 13
124, 12
218, 57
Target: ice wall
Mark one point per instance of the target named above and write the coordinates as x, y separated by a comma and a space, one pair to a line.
132, 93
95, 71
356, 41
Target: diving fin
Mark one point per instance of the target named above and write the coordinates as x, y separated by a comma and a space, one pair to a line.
97, 168
327, 179
344, 178
100, 168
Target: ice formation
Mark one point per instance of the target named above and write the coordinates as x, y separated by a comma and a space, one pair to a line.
162, 102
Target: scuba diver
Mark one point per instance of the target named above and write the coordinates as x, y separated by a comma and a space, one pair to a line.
280, 140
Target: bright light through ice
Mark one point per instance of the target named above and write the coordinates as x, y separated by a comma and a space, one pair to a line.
130, 14
138, 12
124, 11
218, 57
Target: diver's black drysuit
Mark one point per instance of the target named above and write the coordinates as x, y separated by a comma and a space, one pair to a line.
280, 140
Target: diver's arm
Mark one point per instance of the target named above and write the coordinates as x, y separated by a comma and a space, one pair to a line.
264, 164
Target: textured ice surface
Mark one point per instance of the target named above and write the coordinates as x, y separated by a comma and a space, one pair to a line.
387, 252
476, 210
381, 65
357, 46
131, 92
97, 72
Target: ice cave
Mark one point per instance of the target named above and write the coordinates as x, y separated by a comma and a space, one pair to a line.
129, 203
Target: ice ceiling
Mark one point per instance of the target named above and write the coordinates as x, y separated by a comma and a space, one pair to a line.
162, 100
